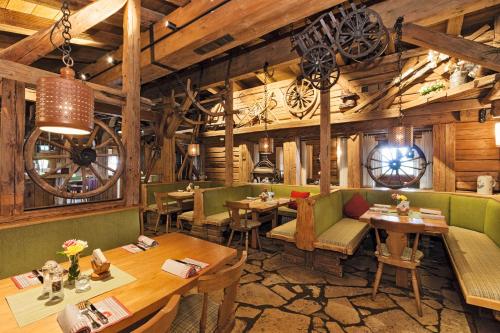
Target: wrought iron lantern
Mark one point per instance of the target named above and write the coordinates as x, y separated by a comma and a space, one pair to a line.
64, 104
194, 149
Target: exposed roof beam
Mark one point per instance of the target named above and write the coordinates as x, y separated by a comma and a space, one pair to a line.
461, 48
454, 25
242, 19
39, 44
279, 53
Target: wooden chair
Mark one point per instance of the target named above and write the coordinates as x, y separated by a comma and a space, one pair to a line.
243, 225
165, 209
198, 313
161, 322
392, 253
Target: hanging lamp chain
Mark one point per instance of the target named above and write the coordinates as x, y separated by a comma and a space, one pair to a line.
266, 75
398, 28
65, 47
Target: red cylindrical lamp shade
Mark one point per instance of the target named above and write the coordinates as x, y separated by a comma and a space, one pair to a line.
400, 136
194, 149
64, 105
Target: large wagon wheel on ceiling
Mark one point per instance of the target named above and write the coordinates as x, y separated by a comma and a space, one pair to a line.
396, 167
301, 98
78, 155
320, 67
361, 35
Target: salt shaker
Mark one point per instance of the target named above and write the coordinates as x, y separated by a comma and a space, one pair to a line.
57, 279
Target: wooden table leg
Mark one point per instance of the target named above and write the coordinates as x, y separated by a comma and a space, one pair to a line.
253, 242
274, 221
396, 242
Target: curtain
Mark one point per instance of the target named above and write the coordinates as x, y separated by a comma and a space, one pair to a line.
425, 143
342, 161
369, 142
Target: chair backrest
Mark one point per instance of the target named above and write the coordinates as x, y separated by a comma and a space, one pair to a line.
161, 199
227, 279
233, 208
161, 322
392, 225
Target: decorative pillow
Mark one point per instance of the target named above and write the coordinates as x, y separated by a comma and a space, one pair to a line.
297, 194
356, 206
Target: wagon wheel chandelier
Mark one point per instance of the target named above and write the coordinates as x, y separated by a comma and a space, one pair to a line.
64, 105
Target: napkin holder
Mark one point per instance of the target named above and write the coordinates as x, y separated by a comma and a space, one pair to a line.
101, 272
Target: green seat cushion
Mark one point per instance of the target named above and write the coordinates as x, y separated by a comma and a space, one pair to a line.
189, 315
492, 221
476, 258
287, 211
285, 231
468, 212
344, 236
187, 216
24, 248
218, 219
327, 211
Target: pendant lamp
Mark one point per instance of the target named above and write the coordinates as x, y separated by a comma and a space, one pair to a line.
194, 149
266, 145
400, 136
64, 104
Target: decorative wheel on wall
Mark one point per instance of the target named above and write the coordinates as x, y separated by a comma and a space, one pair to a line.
396, 167
361, 35
320, 67
301, 98
75, 166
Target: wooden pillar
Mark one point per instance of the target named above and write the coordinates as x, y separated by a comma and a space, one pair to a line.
229, 139
291, 162
324, 142
443, 159
168, 160
245, 162
354, 161
11, 148
131, 136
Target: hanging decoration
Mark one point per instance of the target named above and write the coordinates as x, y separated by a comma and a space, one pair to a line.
63, 104
359, 35
301, 98
266, 144
400, 136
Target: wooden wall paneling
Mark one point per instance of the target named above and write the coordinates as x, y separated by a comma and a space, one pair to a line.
215, 163
131, 136
229, 138
11, 148
354, 160
443, 160
325, 142
291, 162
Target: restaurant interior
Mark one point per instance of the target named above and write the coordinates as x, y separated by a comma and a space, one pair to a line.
250, 166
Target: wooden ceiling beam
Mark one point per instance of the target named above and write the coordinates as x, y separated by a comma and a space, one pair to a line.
454, 25
39, 44
461, 48
244, 20
279, 53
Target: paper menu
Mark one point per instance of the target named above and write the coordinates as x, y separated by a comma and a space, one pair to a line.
179, 269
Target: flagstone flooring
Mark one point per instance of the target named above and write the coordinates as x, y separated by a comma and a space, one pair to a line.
276, 296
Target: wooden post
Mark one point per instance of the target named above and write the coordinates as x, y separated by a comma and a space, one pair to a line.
354, 161
324, 142
229, 143
291, 162
245, 162
168, 160
443, 159
11, 148
131, 111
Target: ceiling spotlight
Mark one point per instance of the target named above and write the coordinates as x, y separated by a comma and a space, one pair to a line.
83, 76
110, 59
171, 25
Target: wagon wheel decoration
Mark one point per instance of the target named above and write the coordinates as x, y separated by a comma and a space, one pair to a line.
84, 156
396, 167
301, 98
361, 35
320, 67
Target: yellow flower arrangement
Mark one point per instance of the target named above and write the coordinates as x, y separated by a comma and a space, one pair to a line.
73, 247
399, 197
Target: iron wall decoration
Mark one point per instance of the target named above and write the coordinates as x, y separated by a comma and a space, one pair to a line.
301, 98
359, 35
85, 155
396, 167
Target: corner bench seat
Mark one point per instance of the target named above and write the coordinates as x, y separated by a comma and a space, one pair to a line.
287, 211
476, 259
284, 232
344, 236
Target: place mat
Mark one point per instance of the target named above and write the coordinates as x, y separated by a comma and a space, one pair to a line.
113, 309
28, 308
25, 280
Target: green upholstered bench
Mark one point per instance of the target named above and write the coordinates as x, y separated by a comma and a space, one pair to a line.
23, 248
284, 232
284, 191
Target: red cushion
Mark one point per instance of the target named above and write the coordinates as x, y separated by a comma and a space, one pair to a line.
356, 206
297, 194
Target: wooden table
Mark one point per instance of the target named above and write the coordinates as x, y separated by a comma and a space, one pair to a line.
180, 196
144, 296
259, 207
400, 240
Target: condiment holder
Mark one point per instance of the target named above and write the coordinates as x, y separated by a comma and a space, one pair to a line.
101, 272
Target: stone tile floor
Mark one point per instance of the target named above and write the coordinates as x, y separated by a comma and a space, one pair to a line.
276, 296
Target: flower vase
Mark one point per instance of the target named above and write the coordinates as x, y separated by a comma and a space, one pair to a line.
403, 208
74, 268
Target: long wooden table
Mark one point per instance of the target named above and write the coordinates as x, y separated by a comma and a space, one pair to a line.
400, 240
148, 293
